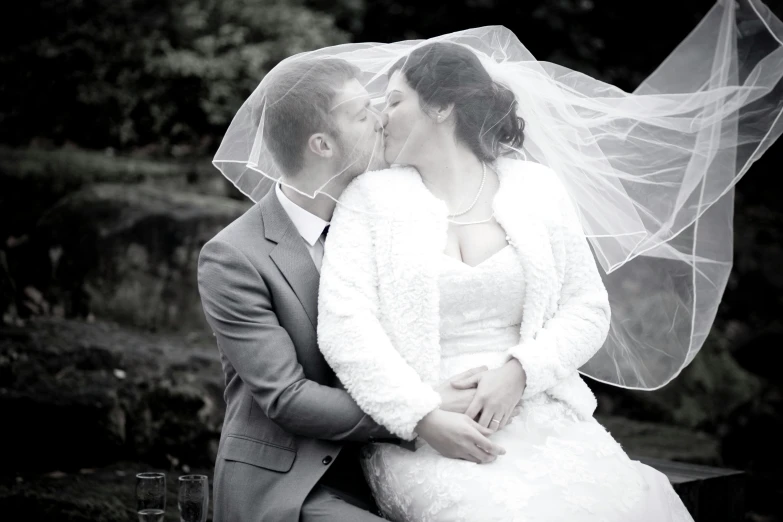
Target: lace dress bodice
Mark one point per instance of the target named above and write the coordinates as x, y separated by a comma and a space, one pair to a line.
480, 310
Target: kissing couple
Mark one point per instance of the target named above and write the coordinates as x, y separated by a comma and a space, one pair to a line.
439, 230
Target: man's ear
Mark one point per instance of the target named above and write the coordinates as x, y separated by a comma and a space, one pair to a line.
320, 145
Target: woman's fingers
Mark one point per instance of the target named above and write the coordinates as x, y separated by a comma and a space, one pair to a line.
479, 448
487, 416
492, 418
486, 432
507, 419
467, 382
479, 455
476, 405
487, 446
474, 458
468, 373
503, 422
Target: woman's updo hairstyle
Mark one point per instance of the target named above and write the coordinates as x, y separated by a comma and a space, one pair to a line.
486, 112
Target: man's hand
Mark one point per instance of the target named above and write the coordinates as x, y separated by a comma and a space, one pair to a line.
454, 399
497, 394
456, 436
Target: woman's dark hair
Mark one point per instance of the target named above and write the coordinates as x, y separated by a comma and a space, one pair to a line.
486, 112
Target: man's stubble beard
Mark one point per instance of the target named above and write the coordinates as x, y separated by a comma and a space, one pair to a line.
367, 159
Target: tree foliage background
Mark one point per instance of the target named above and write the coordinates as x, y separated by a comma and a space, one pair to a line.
130, 74
164, 77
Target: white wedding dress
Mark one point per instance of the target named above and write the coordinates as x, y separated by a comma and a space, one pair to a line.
557, 467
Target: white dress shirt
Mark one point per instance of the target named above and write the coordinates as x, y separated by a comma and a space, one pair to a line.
309, 226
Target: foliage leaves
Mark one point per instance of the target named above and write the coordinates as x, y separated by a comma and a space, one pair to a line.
141, 73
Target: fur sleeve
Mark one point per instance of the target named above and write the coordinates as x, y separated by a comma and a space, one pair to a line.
350, 334
580, 325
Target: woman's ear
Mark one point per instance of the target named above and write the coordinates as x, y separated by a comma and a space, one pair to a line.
320, 145
443, 113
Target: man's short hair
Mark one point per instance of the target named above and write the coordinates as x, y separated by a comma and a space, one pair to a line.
296, 105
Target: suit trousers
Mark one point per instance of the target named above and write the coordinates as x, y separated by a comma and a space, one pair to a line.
342, 493
326, 504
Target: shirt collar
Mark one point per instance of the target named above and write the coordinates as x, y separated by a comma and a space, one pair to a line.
309, 226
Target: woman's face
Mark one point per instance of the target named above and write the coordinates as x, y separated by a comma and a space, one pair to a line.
407, 128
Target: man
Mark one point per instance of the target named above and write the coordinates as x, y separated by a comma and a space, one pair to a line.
288, 448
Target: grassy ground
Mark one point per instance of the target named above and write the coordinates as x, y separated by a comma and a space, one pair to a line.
87, 495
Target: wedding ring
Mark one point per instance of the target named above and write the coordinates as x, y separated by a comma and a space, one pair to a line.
494, 420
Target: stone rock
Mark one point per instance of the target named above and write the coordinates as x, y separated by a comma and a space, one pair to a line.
758, 353
88, 495
660, 441
125, 253
34, 179
754, 431
78, 395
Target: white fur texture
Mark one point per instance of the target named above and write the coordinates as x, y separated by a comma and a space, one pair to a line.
378, 316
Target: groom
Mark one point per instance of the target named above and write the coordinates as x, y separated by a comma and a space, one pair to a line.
289, 444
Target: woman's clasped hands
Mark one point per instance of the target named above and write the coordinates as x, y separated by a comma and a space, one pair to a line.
474, 405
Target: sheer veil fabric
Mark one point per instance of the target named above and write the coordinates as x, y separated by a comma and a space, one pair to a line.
651, 173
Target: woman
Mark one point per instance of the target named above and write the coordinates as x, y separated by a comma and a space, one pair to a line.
465, 255
462, 258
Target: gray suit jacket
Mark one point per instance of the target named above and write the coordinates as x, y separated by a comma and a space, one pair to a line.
287, 417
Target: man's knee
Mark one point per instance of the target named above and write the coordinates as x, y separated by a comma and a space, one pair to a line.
325, 505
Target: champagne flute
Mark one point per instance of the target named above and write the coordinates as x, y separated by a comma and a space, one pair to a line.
151, 496
193, 499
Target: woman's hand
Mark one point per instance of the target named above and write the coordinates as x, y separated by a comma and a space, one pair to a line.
456, 399
497, 394
455, 436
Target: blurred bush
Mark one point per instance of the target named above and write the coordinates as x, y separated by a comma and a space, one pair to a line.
615, 40
164, 76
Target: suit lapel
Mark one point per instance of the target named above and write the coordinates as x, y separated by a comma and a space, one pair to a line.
290, 255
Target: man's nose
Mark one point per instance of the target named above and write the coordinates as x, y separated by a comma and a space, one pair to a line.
380, 121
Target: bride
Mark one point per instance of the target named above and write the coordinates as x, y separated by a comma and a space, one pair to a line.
523, 199
466, 254
418, 295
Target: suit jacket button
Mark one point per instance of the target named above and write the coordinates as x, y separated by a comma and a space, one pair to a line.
327, 460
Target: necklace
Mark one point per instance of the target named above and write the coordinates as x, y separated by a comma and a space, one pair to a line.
475, 200
479, 222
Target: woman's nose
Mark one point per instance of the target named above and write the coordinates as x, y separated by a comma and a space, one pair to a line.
381, 120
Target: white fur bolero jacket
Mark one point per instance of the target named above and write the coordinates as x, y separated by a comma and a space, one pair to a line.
378, 311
